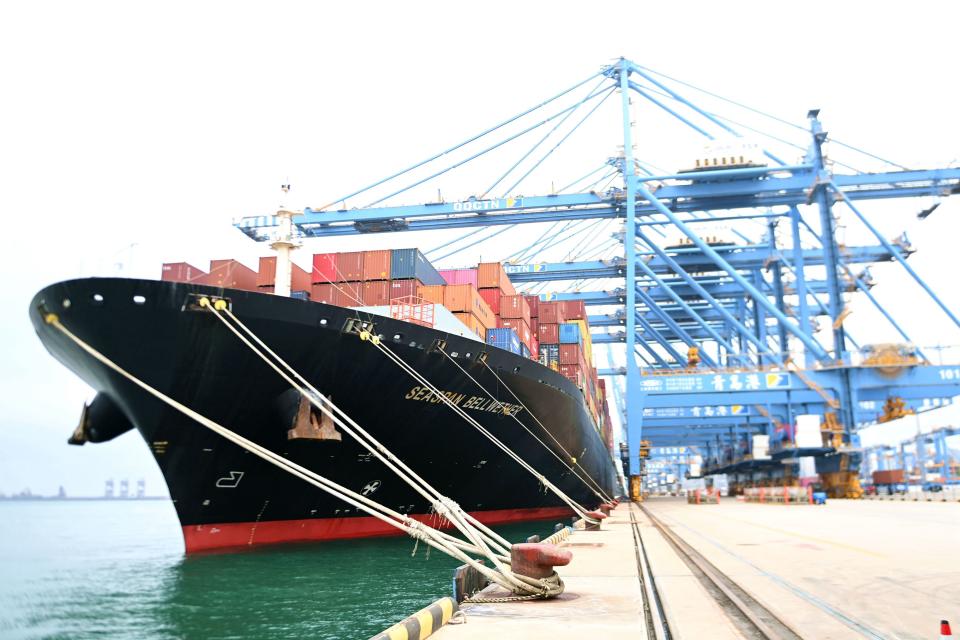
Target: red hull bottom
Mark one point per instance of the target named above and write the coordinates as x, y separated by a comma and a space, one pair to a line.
209, 537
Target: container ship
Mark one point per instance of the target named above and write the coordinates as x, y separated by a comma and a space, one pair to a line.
528, 360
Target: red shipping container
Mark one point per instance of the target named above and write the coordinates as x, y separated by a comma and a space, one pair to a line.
376, 265
403, 288
336, 294
534, 346
534, 303
535, 326
550, 313
350, 267
460, 276
548, 333
572, 372
376, 293
573, 310
325, 268
492, 298
571, 354
182, 272
230, 274
515, 307
325, 293
300, 280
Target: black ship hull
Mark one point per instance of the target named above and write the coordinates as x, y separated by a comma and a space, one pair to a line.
226, 497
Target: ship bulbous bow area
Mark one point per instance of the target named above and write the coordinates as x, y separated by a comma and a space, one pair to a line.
100, 421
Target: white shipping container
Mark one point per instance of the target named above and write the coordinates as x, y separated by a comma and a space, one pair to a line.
761, 447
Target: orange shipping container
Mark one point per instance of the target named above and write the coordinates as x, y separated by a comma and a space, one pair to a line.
431, 293
472, 322
490, 275
350, 266
230, 274
267, 275
465, 298
376, 265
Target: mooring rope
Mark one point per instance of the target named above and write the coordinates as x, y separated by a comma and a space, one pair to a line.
443, 505
375, 340
596, 488
417, 530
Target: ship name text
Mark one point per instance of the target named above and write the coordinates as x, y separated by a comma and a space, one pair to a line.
462, 400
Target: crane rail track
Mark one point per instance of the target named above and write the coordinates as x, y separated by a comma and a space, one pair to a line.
751, 619
654, 616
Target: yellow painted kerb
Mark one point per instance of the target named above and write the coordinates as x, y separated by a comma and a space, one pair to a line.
425, 618
398, 632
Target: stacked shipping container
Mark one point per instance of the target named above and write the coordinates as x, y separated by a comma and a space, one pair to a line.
370, 278
267, 276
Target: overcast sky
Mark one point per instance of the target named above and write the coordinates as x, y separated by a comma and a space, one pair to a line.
133, 133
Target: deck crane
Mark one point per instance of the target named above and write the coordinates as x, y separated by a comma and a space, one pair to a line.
749, 308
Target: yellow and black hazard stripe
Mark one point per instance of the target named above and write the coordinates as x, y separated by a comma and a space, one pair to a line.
423, 623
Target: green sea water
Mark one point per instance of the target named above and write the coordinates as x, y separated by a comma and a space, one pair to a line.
116, 569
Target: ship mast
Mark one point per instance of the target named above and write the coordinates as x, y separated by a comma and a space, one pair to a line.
283, 243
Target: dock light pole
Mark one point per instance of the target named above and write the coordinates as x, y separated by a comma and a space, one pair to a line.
283, 244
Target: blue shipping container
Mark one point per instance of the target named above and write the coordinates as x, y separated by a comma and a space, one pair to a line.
406, 264
524, 351
503, 338
300, 295
570, 333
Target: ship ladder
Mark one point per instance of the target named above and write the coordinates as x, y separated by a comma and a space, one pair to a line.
527, 587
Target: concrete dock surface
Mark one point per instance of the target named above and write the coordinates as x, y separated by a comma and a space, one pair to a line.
847, 569
603, 597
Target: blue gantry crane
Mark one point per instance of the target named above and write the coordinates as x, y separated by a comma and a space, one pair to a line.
716, 336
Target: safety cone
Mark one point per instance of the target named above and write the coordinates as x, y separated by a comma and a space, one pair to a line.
945, 632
